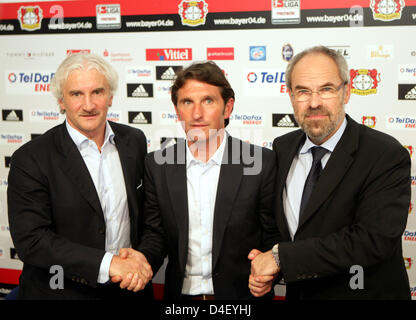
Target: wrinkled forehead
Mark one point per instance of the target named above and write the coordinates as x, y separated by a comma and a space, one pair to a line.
315, 70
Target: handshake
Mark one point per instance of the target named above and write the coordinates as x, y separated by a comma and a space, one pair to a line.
264, 271
131, 269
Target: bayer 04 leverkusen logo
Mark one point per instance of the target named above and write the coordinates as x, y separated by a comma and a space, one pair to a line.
409, 149
30, 17
387, 10
369, 121
364, 81
193, 13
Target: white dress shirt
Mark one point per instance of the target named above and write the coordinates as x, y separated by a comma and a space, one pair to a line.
202, 181
107, 175
299, 170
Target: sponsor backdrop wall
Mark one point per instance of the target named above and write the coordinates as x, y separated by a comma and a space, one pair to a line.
252, 41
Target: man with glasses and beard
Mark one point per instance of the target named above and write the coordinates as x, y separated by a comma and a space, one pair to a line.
342, 199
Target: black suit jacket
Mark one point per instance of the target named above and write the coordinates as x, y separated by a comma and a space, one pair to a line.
243, 217
356, 216
55, 214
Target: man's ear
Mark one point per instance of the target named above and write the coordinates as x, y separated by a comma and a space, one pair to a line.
177, 112
347, 93
228, 109
61, 104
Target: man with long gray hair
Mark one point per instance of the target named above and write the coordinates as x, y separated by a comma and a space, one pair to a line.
75, 196
342, 199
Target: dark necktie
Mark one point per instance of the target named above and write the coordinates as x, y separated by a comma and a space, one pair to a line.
313, 176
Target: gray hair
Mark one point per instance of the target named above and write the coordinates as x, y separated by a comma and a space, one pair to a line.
333, 54
85, 61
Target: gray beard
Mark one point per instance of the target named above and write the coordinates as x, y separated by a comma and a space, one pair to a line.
318, 139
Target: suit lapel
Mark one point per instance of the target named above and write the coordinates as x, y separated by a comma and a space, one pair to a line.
229, 181
338, 164
177, 188
127, 157
76, 170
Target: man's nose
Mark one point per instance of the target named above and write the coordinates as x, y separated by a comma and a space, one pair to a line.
88, 103
197, 111
315, 100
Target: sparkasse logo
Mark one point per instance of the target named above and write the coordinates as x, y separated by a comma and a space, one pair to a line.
169, 54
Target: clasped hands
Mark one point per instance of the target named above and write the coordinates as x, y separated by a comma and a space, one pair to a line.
263, 272
131, 269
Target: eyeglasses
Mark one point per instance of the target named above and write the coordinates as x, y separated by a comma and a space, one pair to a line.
328, 92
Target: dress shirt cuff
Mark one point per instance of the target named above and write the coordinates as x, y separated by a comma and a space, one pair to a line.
104, 274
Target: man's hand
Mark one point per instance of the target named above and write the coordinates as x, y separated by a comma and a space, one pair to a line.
260, 285
131, 268
263, 264
263, 272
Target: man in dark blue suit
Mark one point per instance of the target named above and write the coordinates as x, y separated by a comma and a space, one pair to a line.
209, 199
75, 196
343, 193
